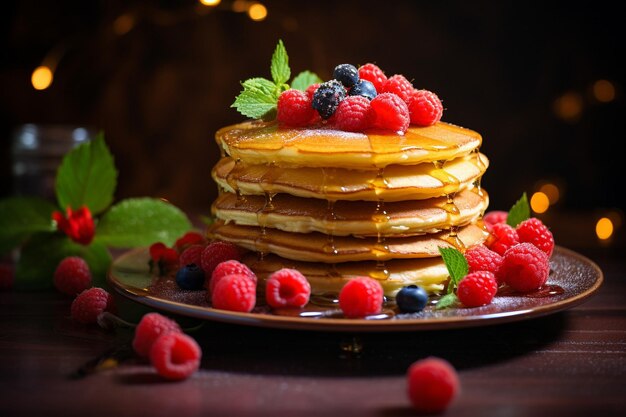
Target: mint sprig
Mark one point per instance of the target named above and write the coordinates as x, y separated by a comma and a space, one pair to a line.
519, 212
457, 269
259, 97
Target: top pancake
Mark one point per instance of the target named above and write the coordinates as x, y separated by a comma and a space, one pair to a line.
257, 142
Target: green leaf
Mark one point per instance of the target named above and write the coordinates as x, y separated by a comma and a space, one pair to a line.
519, 212
20, 217
41, 255
141, 222
456, 264
305, 79
280, 65
446, 301
87, 176
258, 98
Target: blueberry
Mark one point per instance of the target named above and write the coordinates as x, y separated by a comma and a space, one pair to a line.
411, 299
346, 74
364, 88
190, 277
327, 97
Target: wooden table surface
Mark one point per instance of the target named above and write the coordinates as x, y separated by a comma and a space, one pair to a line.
571, 363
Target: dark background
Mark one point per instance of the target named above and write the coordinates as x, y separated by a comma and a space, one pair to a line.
159, 82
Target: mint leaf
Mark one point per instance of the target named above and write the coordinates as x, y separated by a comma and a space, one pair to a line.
456, 264
519, 212
305, 79
87, 176
42, 253
141, 222
280, 65
258, 98
446, 301
22, 216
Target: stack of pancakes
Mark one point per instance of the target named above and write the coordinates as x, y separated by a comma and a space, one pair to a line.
337, 205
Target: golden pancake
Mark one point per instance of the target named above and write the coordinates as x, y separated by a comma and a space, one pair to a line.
259, 142
392, 183
318, 247
430, 273
360, 218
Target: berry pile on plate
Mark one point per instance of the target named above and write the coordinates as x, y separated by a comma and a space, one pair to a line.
359, 99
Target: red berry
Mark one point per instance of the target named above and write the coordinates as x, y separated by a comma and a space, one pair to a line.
534, 231
399, 86
287, 288
391, 112
354, 114
432, 385
163, 258
89, 304
502, 237
525, 267
294, 108
72, 276
231, 267
235, 292
493, 217
216, 253
360, 297
481, 258
175, 356
425, 108
150, 327
188, 239
191, 255
7, 277
373, 74
477, 289
310, 90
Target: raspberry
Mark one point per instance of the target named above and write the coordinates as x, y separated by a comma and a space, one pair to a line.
188, 239
399, 86
534, 231
525, 267
225, 268
150, 327
217, 252
287, 288
310, 90
294, 108
7, 277
425, 108
493, 217
354, 114
477, 289
163, 258
327, 97
391, 112
89, 304
72, 276
432, 384
360, 297
481, 258
235, 292
373, 74
191, 255
175, 356
502, 237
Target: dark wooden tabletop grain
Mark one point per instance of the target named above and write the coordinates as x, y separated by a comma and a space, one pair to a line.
571, 363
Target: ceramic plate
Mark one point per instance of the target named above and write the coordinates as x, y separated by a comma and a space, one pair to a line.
573, 278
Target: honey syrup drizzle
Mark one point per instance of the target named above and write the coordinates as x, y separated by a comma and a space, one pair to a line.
450, 186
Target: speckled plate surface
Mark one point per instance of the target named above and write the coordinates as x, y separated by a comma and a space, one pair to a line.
573, 278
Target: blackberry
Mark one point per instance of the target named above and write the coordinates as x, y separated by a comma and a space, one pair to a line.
346, 74
190, 277
327, 97
364, 88
411, 299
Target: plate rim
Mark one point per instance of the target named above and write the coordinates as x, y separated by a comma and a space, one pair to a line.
356, 325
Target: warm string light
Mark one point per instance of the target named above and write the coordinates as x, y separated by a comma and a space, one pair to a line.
604, 228
603, 91
257, 12
570, 105
42, 77
539, 202
210, 2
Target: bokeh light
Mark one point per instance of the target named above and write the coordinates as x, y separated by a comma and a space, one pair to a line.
604, 228
569, 106
604, 91
257, 12
551, 191
210, 2
123, 24
539, 202
41, 78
